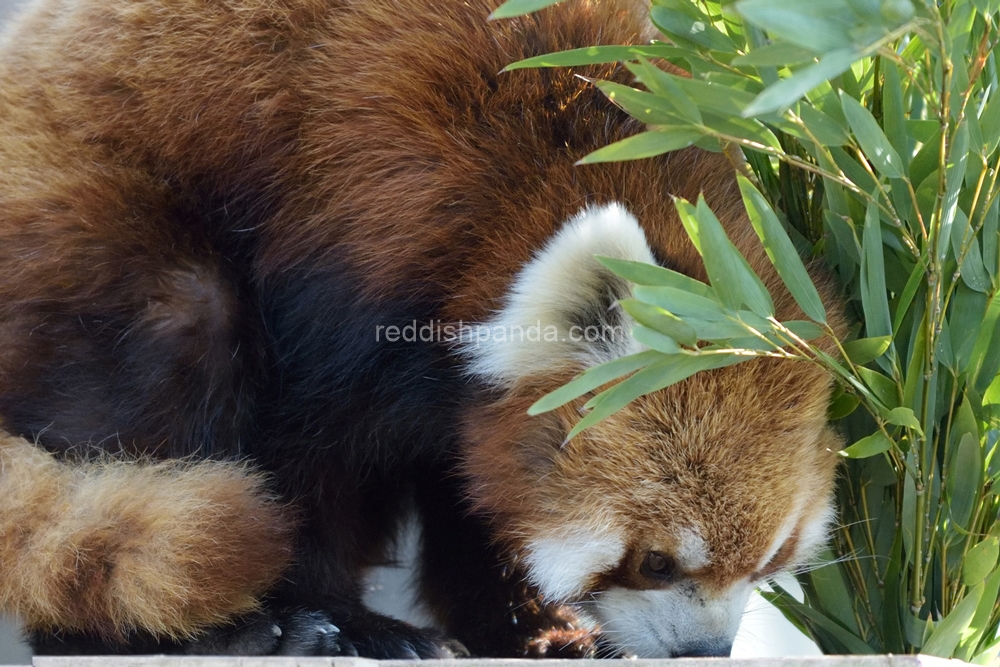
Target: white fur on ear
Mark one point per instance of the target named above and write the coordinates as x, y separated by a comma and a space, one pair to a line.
560, 311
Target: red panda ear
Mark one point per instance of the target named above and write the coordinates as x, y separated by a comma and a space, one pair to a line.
561, 311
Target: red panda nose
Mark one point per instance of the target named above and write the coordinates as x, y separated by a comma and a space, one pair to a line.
711, 648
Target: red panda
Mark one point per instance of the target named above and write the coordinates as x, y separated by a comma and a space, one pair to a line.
235, 230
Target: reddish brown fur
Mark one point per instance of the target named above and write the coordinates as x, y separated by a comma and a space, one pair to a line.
114, 547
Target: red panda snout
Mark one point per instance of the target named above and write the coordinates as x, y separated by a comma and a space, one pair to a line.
684, 620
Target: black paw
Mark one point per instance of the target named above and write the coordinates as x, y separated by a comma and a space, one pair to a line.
361, 633
258, 634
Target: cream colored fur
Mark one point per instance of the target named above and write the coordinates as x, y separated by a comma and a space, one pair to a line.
561, 282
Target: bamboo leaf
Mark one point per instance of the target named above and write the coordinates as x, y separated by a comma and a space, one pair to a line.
964, 479
981, 620
781, 54
873, 295
657, 376
870, 137
980, 561
820, 28
642, 273
781, 252
728, 271
592, 379
595, 55
661, 321
884, 388
948, 633
700, 31
904, 417
655, 340
849, 641
876, 443
842, 406
664, 139
983, 361
513, 8
955, 177
786, 92
894, 114
865, 350
665, 85
644, 106
972, 269
804, 329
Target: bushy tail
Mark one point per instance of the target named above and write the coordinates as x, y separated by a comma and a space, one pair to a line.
111, 547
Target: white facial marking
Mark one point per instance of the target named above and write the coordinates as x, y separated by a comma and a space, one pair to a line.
814, 533
560, 565
679, 620
784, 532
537, 329
692, 551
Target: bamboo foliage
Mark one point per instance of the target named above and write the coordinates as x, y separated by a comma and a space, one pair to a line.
871, 132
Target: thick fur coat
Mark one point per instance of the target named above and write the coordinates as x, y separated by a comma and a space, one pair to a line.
209, 214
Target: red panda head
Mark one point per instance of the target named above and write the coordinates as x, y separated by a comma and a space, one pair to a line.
659, 521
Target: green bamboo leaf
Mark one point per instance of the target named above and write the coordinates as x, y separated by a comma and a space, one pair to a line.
781, 54
781, 252
884, 388
699, 31
661, 321
955, 177
820, 27
874, 299
876, 443
785, 93
865, 350
804, 329
666, 85
980, 561
983, 362
728, 271
655, 340
973, 270
596, 55
689, 219
964, 479
592, 379
849, 641
872, 140
904, 417
981, 621
913, 283
513, 8
832, 591
659, 375
682, 303
646, 107
991, 238
664, 139
746, 129
989, 123
894, 113
892, 623
948, 633
842, 406
642, 273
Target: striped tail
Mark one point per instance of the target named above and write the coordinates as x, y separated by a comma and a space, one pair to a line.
112, 547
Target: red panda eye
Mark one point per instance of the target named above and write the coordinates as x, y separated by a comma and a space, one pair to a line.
658, 565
